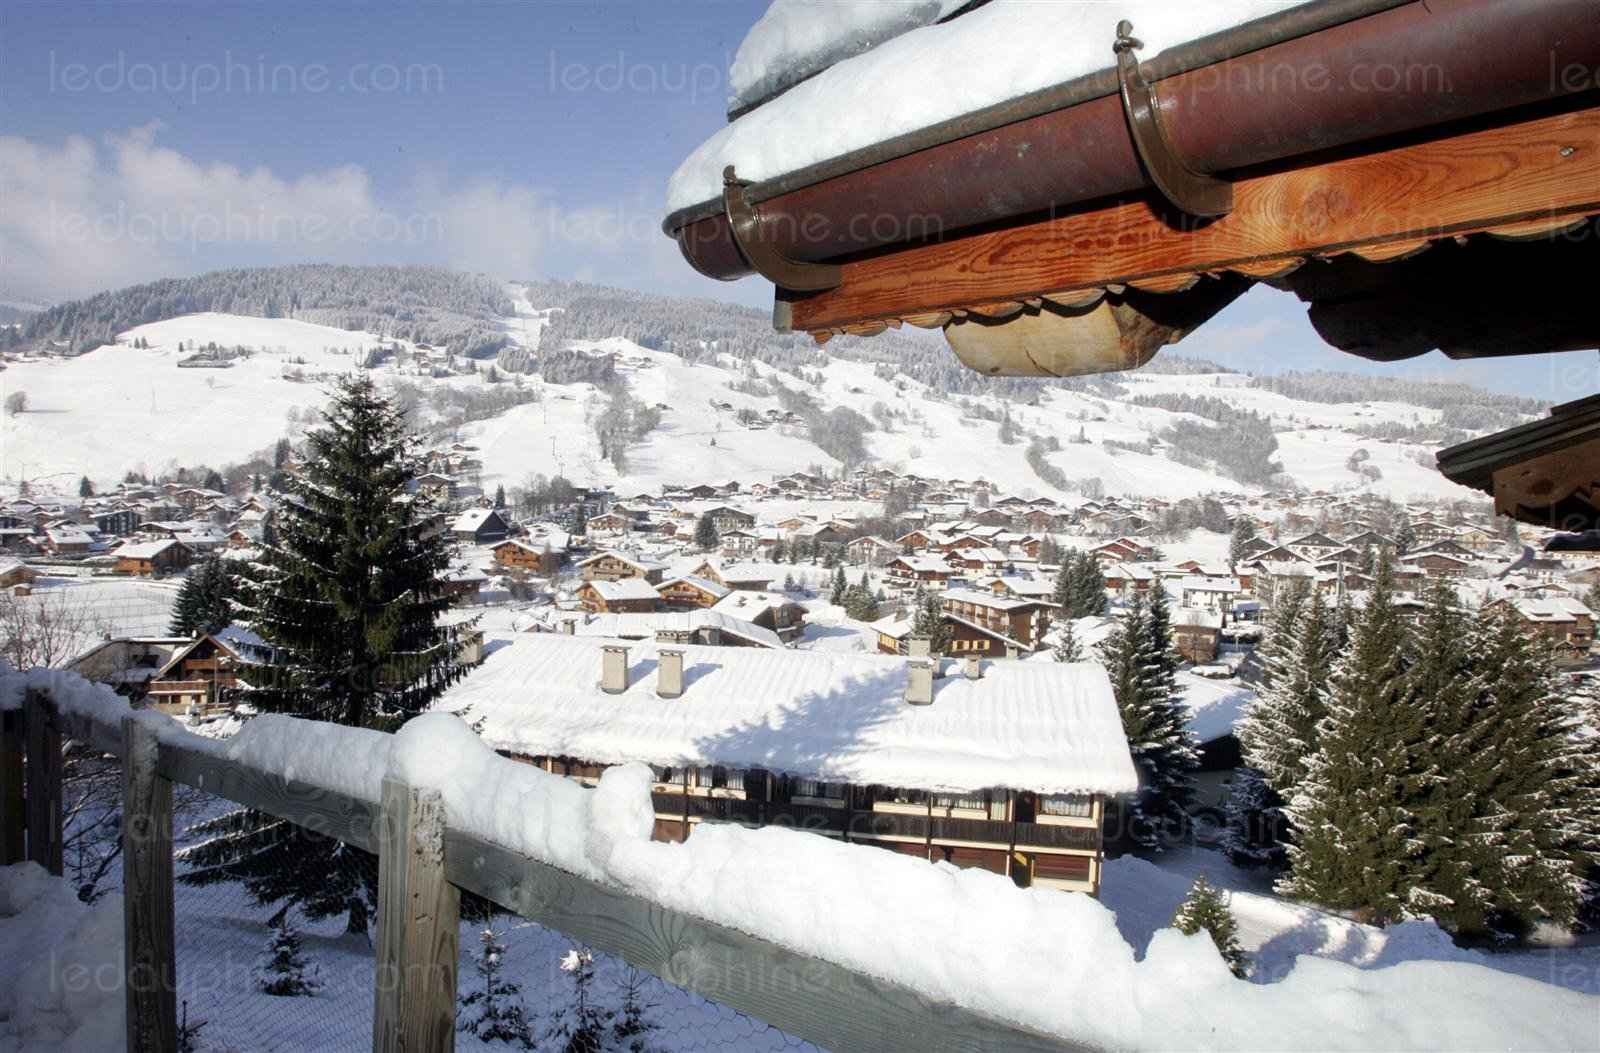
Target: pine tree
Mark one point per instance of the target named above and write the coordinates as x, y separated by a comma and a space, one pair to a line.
1089, 587
1067, 648
500, 496
1064, 595
1243, 534
85, 487
836, 595
630, 1030
579, 1026
1205, 909
1405, 535
282, 968
494, 1011
1279, 730
349, 601
1155, 722
705, 533
205, 602
1354, 810
929, 621
1253, 831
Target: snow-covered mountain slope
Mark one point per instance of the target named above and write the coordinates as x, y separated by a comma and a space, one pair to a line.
123, 406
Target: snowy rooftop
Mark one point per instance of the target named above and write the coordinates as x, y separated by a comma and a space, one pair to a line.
1047, 727
643, 625
1004, 49
624, 589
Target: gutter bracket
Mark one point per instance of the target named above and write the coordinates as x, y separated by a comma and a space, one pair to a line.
1195, 193
771, 264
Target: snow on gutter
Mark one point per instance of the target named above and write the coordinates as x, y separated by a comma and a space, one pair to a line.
836, 149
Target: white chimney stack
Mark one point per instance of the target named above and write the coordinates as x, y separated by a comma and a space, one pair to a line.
613, 669
669, 673
919, 647
973, 667
919, 682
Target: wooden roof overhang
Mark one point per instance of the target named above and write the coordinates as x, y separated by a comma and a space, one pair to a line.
1546, 473
1051, 215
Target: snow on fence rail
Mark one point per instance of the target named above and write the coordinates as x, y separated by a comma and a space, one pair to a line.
347, 793
848, 947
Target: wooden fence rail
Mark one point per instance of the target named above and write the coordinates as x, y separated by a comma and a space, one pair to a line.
424, 865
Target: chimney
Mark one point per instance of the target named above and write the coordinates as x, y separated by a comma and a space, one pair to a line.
569, 626
973, 667
669, 673
613, 669
919, 682
919, 646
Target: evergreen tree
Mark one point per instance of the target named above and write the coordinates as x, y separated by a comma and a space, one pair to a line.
1155, 722
1253, 831
1354, 809
705, 533
282, 968
1243, 534
1279, 730
349, 602
929, 621
1405, 534
500, 495
1067, 648
494, 1011
1205, 909
630, 1029
85, 487
836, 595
1064, 595
579, 1026
1089, 587
205, 600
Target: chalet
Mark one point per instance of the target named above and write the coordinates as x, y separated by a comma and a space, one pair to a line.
1014, 624
725, 518
688, 592
1010, 774
480, 526
614, 566
435, 486
928, 570
1127, 579
743, 577
1439, 563
981, 560
1038, 589
152, 559
463, 584
770, 610
1211, 594
1195, 633
14, 573
612, 522
1314, 546
127, 662
202, 677
526, 557
1568, 624
602, 595
871, 551
1123, 550
239, 538
118, 522
68, 539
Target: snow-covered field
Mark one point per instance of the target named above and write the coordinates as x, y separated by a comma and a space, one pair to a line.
119, 408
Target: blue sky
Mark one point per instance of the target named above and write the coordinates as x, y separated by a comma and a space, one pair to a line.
139, 140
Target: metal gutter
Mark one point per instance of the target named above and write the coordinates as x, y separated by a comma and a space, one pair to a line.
1273, 89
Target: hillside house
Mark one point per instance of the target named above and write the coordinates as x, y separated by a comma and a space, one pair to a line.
931, 571
614, 566
1211, 594
725, 518
606, 595
1567, 623
68, 539
770, 610
609, 523
203, 676
707, 628
152, 559
689, 592
480, 526
999, 623
1004, 768
1195, 633
526, 557
118, 522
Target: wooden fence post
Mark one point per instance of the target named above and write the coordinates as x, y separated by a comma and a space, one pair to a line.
419, 916
13, 829
149, 958
43, 802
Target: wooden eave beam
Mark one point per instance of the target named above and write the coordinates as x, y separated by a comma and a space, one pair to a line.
1519, 178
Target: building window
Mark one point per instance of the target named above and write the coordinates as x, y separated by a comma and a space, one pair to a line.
813, 788
975, 804
1077, 806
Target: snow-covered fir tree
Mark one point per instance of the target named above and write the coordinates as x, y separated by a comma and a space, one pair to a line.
493, 1009
282, 968
350, 601
1253, 830
839, 585
1205, 909
928, 621
205, 600
1354, 809
705, 533
1068, 648
1280, 726
1141, 664
579, 1026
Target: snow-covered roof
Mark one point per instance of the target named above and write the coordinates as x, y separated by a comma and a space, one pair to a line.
749, 602
633, 561
1047, 727
1195, 583
643, 625
988, 599
472, 520
624, 589
144, 549
705, 585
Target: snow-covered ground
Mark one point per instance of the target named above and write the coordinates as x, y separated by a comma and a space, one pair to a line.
119, 408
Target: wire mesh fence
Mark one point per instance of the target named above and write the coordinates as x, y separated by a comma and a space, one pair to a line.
277, 977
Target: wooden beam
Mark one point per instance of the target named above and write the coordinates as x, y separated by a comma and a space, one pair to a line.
830, 1005
419, 922
1390, 200
148, 952
13, 827
42, 805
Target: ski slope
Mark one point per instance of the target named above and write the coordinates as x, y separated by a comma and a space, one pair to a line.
119, 408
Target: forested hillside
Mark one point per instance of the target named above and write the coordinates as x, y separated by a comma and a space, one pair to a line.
424, 304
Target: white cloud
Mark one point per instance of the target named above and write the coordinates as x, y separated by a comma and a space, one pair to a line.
83, 216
